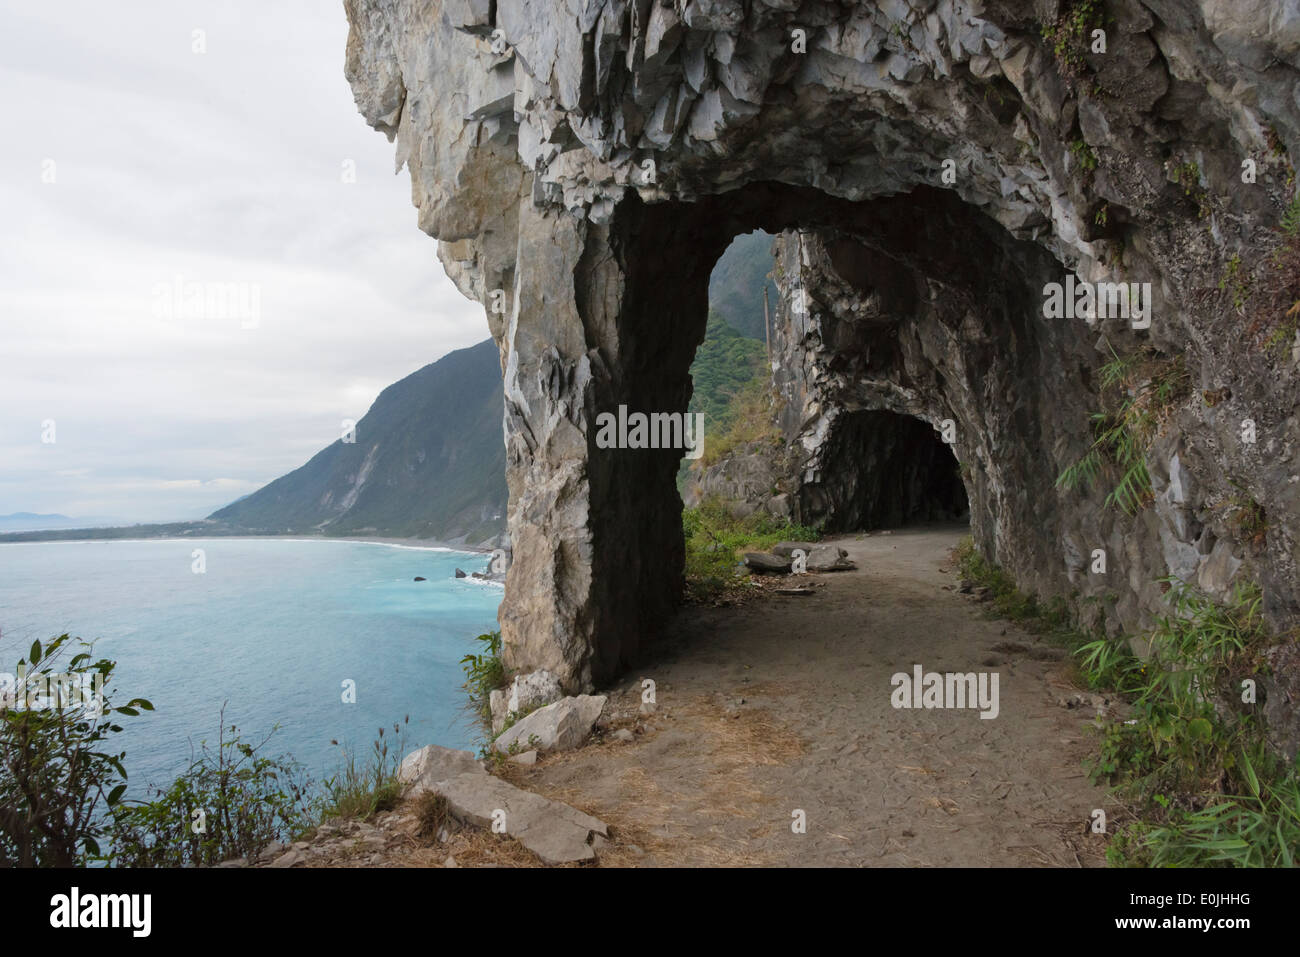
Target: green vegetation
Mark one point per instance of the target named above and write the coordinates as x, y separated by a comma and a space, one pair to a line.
1188, 176
1138, 393
737, 282
1009, 602
1246, 516
1290, 223
1201, 778
232, 801
484, 673
62, 788
1070, 36
1084, 155
362, 789
1268, 293
749, 419
714, 540
58, 771
725, 364
1235, 280
1190, 761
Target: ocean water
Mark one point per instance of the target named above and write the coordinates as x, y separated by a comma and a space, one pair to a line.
271, 629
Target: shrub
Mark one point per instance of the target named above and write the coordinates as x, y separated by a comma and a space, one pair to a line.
57, 770
232, 801
484, 673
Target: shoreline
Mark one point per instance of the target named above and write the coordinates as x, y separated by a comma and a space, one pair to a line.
422, 544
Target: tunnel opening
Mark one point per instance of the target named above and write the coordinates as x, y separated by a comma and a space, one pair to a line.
885, 470
904, 322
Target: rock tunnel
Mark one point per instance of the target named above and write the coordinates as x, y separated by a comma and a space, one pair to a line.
934, 166
884, 470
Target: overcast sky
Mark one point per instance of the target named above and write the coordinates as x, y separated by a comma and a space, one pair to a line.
188, 288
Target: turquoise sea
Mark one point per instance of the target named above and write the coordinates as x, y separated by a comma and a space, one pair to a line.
271, 628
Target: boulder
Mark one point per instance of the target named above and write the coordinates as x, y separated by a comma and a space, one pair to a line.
786, 549
420, 578
526, 693
766, 564
829, 558
460, 573
555, 832
558, 727
422, 769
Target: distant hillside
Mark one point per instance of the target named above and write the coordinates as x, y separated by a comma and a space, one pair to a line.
21, 521
736, 285
428, 462
724, 363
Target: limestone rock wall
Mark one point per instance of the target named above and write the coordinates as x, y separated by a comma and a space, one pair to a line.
584, 162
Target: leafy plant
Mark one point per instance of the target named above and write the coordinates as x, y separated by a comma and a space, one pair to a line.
57, 769
1069, 33
1233, 278
1138, 393
1291, 217
1084, 155
1207, 789
232, 801
1259, 828
484, 673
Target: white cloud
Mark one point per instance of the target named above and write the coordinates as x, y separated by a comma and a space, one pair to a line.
221, 168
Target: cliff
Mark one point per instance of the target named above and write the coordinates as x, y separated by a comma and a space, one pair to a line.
945, 162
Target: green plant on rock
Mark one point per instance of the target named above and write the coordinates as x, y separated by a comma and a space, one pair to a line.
1138, 394
1235, 280
1247, 516
1188, 176
1259, 827
750, 421
1050, 618
1084, 155
484, 673
1267, 291
1210, 791
1069, 36
1193, 766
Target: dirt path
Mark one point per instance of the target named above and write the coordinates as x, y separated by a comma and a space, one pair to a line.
784, 704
